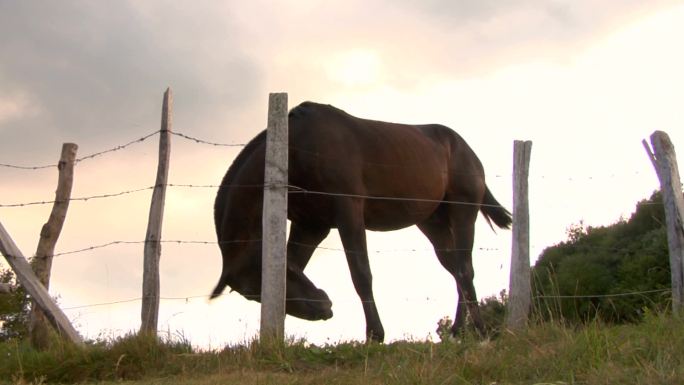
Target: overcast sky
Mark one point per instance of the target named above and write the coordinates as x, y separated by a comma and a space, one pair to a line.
584, 80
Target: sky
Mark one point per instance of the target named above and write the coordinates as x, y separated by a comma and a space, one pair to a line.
585, 81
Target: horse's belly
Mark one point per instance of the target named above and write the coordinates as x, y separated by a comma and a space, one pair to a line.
388, 215
379, 214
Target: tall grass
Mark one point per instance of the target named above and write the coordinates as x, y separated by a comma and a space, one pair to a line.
651, 352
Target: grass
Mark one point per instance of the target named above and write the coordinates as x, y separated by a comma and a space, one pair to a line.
651, 352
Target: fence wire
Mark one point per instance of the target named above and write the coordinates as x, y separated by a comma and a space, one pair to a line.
242, 241
293, 190
121, 147
602, 295
300, 299
91, 156
82, 199
113, 243
293, 148
202, 141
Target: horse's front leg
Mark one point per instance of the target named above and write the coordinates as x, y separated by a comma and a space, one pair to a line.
302, 243
353, 234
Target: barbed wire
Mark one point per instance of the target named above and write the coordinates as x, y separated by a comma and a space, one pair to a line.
201, 242
27, 167
420, 166
136, 299
91, 156
301, 299
581, 296
252, 297
202, 141
113, 243
83, 199
121, 147
117, 148
300, 190
117, 194
292, 190
317, 247
406, 250
294, 148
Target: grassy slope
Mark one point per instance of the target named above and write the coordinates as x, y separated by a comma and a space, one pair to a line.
648, 353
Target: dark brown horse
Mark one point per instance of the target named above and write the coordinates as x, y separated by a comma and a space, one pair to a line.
355, 174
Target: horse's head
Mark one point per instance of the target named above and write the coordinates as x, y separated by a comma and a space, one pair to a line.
238, 216
304, 300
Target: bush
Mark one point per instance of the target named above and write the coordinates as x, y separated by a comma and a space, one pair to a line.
14, 309
590, 275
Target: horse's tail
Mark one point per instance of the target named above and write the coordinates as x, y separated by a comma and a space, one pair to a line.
219, 288
493, 211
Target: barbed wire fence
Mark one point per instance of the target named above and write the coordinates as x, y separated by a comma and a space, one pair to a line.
293, 190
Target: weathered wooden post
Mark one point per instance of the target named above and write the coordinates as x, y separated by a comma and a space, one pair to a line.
151, 285
274, 251
665, 162
42, 262
35, 289
520, 291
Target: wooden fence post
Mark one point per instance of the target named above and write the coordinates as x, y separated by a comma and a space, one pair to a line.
665, 162
42, 262
34, 288
274, 251
151, 285
520, 291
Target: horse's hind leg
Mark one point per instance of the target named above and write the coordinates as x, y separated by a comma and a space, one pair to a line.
451, 230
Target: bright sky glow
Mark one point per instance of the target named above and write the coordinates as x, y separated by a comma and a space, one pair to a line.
356, 68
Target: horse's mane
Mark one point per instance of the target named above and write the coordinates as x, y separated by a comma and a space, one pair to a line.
229, 178
306, 108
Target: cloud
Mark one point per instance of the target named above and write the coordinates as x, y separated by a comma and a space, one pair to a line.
95, 70
465, 38
415, 43
16, 107
533, 19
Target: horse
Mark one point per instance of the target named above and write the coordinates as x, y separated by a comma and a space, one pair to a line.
354, 175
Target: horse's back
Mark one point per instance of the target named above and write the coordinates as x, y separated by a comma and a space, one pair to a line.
367, 147
337, 153
328, 131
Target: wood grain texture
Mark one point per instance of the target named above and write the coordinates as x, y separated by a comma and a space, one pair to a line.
49, 234
152, 250
673, 202
274, 254
520, 291
35, 289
